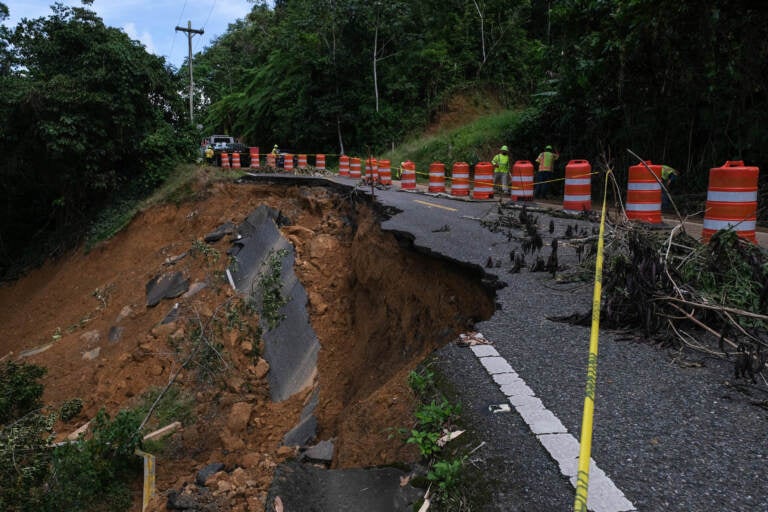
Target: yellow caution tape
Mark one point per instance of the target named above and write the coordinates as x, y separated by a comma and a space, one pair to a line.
585, 449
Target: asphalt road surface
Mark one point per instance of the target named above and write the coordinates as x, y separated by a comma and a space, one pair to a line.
667, 436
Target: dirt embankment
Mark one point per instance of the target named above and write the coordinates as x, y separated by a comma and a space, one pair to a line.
377, 307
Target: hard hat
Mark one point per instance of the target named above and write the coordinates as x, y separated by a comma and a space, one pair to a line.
548, 147
275, 145
504, 148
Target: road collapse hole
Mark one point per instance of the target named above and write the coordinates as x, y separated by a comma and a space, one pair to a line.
379, 307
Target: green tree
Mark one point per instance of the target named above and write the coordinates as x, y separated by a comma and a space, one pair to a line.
87, 112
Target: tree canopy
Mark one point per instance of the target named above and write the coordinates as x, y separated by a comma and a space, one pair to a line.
87, 115
679, 82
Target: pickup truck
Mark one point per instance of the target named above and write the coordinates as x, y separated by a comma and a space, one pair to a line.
220, 142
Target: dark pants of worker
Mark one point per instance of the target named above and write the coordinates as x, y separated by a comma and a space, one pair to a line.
500, 184
541, 187
666, 204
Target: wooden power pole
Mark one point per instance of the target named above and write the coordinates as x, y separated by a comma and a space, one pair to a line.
190, 32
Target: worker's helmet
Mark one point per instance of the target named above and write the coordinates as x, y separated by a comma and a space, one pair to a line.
548, 148
504, 148
275, 146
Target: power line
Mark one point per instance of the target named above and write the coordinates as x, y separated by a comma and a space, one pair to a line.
190, 33
173, 41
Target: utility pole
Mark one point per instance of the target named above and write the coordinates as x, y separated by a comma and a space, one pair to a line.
190, 32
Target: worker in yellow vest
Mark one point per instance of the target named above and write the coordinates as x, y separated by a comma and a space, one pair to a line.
209, 154
546, 161
501, 172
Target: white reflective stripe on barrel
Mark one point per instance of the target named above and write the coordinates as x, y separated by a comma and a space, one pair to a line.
644, 207
716, 225
483, 189
577, 198
732, 197
643, 186
522, 178
577, 181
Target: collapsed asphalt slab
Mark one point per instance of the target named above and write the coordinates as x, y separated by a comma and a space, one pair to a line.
291, 346
310, 489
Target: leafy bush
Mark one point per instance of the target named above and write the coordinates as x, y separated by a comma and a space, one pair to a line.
94, 474
19, 390
70, 409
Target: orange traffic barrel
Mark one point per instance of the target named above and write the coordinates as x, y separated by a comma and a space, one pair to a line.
372, 169
320, 162
271, 160
731, 200
236, 160
483, 188
408, 175
225, 160
460, 179
355, 169
302, 162
436, 177
578, 186
644, 193
254, 153
343, 165
521, 180
288, 162
385, 173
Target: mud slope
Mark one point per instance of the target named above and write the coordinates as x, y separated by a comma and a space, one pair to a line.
378, 308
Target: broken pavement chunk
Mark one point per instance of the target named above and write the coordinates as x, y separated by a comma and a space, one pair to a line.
225, 229
321, 452
165, 286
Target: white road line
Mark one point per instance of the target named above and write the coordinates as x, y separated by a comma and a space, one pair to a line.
603, 496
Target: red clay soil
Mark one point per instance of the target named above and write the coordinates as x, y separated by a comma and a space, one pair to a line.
378, 310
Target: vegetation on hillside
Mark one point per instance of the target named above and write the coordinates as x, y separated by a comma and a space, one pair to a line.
90, 119
678, 82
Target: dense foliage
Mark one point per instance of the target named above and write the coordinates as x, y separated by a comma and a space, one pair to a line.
36, 475
345, 74
88, 115
681, 83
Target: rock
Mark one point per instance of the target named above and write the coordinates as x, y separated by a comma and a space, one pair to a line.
172, 315
250, 460
262, 368
214, 236
321, 452
246, 347
91, 337
163, 331
299, 231
239, 478
124, 313
180, 501
165, 286
172, 260
235, 383
286, 451
230, 442
318, 304
194, 289
207, 472
92, 354
115, 333
239, 417
224, 486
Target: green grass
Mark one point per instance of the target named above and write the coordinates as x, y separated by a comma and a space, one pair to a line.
474, 142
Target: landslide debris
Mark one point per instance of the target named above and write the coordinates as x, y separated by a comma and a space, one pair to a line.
378, 309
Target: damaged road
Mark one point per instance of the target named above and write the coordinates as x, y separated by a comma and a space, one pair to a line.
668, 437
